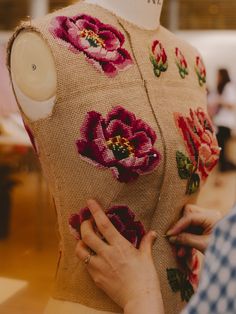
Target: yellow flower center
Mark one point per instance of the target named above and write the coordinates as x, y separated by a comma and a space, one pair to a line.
92, 38
121, 147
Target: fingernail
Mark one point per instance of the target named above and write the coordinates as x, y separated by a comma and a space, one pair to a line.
172, 239
169, 233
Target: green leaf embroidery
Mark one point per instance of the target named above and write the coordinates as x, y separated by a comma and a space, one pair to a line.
185, 165
193, 184
179, 283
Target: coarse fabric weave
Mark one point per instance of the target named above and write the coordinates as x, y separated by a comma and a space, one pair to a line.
156, 198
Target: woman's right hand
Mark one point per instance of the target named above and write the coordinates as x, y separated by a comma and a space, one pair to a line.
194, 228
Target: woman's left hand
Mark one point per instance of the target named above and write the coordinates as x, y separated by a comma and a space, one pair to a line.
126, 274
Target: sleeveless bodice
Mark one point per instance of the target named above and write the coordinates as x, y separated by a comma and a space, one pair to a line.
129, 127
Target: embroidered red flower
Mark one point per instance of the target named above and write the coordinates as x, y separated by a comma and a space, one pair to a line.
201, 144
120, 142
122, 217
158, 58
102, 44
181, 63
200, 70
185, 278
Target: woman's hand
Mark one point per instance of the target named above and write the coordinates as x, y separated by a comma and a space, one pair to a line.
194, 228
125, 274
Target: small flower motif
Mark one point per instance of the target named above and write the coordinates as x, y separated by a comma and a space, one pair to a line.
122, 217
158, 58
120, 142
102, 44
181, 63
201, 144
185, 278
200, 70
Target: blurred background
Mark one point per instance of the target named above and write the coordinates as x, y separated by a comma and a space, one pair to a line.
28, 230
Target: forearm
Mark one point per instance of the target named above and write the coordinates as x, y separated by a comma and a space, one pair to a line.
147, 304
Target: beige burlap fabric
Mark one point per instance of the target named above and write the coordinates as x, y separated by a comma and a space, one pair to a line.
157, 198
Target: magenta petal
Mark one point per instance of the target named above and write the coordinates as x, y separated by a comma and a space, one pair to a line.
92, 126
124, 175
140, 126
118, 128
84, 214
74, 222
96, 151
125, 214
124, 59
142, 143
110, 40
118, 34
153, 160
120, 113
117, 223
88, 18
131, 236
83, 24
109, 69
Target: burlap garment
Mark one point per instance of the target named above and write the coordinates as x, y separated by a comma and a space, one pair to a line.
157, 198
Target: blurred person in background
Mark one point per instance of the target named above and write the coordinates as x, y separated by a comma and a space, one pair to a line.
222, 104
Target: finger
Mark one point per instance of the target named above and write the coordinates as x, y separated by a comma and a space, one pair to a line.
187, 239
103, 223
82, 251
192, 219
90, 238
148, 242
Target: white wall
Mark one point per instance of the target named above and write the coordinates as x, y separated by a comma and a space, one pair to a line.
218, 49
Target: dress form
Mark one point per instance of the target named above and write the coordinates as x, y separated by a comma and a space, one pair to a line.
113, 62
38, 102
39, 60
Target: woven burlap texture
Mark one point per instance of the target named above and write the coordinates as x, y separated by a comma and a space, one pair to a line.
156, 198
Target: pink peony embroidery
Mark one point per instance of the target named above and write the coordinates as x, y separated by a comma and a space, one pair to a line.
158, 58
201, 144
120, 142
102, 44
185, 278
121, 217
181, 63
200, 70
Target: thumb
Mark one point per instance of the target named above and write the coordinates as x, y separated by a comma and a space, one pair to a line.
198, 242
148, 242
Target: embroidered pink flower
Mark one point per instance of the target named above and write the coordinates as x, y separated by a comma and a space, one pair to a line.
201, 143
121, 217
120, 142
102, 44
158, 58
200, 70
181, 63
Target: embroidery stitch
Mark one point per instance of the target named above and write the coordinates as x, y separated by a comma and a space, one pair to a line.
158, 58
102, 44
120, 142
202, 147
185, 278
181, 63
122, 217
200, 70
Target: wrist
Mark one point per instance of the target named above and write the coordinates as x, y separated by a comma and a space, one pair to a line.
147, 302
